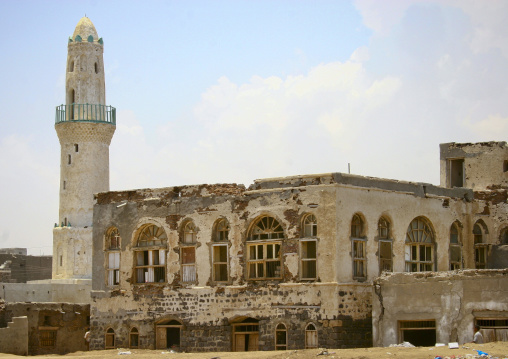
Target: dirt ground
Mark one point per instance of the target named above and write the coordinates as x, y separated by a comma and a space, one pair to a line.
495, 350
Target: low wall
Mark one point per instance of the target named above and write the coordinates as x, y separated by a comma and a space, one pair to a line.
46, 292
14, 338
452, 299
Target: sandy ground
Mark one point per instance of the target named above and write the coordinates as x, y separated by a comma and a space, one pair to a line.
495, 350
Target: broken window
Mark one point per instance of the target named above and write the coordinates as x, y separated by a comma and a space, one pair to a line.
266, 228
385, 245
358, 248
188, 252
264, 260
480, 246
110, 339
311, 338
456, 167
418, 332
455, 247
281, 337
134, 338
220, 256
112, 247
419, 252
308, 257
150, 264
309, 226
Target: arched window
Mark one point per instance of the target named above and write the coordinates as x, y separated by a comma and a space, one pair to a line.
150, 264
480, 244
112, 246
311, 338
455, 247
266, 228
309, 226
358, 248
188, 252
110, 338
220, 249
189, 232
308, 248
503, 236
264, 256
134, 338
385, 245
281, 337
419, 246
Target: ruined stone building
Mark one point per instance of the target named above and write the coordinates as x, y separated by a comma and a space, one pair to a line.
289, 263
319, 260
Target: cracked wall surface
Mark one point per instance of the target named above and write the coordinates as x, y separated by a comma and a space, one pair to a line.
452, 299
335, 302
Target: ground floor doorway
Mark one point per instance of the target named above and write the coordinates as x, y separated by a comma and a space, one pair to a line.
246, 335
167, 334
418, 332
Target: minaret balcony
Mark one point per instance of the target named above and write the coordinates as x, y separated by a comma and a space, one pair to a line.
85, 112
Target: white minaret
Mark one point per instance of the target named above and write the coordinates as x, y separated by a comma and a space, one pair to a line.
85, 127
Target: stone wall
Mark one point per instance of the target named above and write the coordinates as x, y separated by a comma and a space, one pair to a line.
454, 300
26, 268
14, 337
53, 328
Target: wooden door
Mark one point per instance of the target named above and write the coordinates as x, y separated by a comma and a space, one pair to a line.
253, 342
239, 342
161, 338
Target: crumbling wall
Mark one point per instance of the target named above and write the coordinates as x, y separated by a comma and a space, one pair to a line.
67, 322
14, 338
452, 299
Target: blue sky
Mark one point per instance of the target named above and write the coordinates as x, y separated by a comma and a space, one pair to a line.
231, 91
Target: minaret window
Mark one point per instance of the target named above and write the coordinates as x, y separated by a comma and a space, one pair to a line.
76, 148
96, 68
69, 160
71, 66
64, 184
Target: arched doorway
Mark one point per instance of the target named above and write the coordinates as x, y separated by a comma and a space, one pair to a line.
246, 335
167, 334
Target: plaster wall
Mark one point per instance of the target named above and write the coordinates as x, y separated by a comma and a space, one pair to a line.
14, 338
72, 252
452, 299
46, 292
485, 164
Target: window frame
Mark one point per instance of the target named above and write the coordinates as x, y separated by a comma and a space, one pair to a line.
188, 249
257, 263
112, 254
218, 263
309, 226
305, 260
480, 233
358, 247
133, 332
279, 329
109, 335
419, 236
455, 246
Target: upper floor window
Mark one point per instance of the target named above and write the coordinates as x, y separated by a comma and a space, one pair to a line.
385, 245
112, 256
308, 258
503, 237
419, 246
188, 252
309, 226
150, 263
480, 232
455, 247
220, 248
264, 260
358, 247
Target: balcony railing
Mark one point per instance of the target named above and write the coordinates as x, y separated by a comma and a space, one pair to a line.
86, 113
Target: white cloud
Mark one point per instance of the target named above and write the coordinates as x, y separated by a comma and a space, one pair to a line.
491, 128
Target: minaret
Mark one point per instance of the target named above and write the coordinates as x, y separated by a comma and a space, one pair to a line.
85, 127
